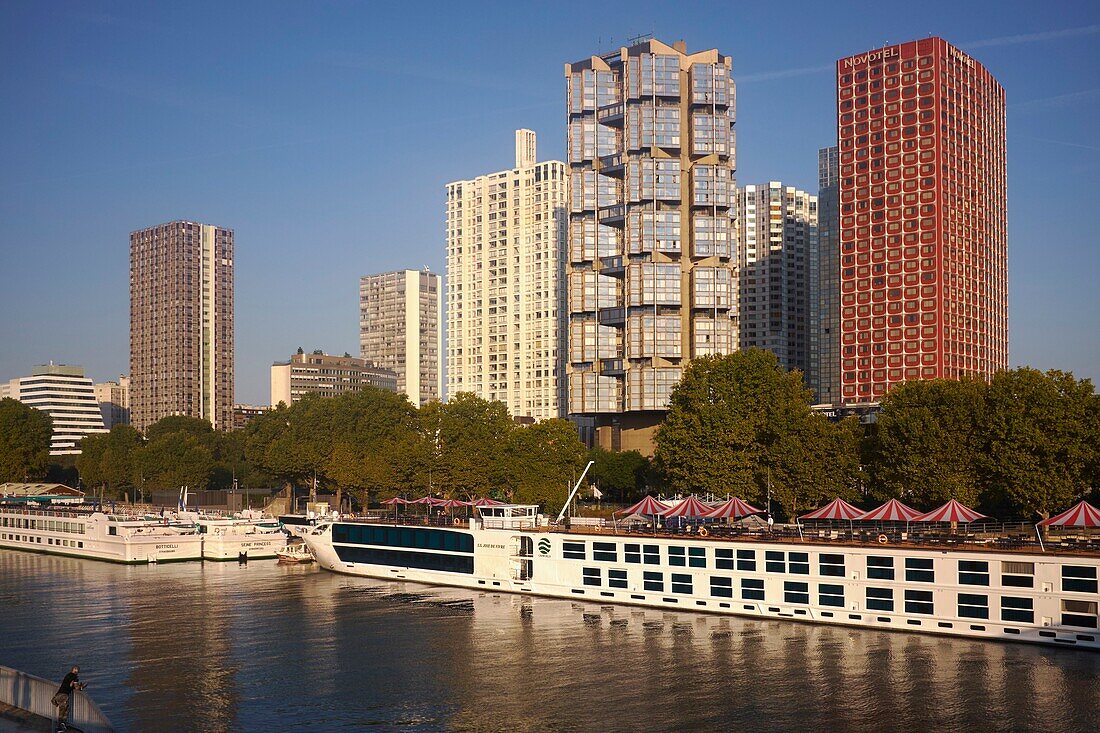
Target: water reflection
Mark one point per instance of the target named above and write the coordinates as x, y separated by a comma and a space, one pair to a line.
262, 647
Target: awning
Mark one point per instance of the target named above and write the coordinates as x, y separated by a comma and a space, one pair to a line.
1082, 515
835, 509
484, 501
648, 506
733, 508
689, 507
953, 512
891, 511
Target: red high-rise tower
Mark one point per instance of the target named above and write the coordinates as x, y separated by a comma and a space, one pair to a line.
923, 243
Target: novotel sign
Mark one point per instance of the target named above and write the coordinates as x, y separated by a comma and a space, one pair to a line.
879, 55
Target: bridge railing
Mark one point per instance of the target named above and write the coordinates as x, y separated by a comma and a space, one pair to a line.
35, 695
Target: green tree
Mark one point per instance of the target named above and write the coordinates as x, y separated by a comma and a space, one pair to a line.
107, 461
620, 475
176, 459
544, 460
1038, 435
927, 441
467, 439
24, 441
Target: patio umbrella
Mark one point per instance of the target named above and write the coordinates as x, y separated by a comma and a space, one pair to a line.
891, 511
690, 507
394, 502
835, 509
649, 507
485, 501
953, 512
1082, 515
733, 508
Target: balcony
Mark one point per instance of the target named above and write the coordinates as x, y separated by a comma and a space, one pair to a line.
611, 316
612, 215
611, 115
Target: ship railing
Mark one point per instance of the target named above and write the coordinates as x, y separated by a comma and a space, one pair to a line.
34, 695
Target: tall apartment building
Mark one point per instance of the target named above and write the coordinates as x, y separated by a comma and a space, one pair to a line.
114, 401
400, 329
651, 222
181, 323
923, 239
777, 266
506, 311
325, 375
67, 396
825, 347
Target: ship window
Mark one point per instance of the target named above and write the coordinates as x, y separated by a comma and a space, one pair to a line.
918, 601
796, 592
632, 553
572, 550
830, 595
697, 557
721, 587
919, 570
605, 551
973, 572
1078, 579
405, 559
676, 556
112, 530
1017, 609
774, 562
681, 583
973, 606
800, 562
880, 568
616, 578
1018, 574
653, 581
723, 558
880, 599
832, 565
1079, 613
652, 554
592, 576
746, 560
752, 589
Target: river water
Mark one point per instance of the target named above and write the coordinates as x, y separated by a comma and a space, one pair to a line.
264, 647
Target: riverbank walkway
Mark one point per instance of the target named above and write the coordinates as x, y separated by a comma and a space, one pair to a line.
26, 704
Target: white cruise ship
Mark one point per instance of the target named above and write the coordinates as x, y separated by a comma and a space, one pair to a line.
971, 591
239, 539
96, 535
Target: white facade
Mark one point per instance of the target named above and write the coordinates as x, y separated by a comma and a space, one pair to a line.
114, 401
777, 265
400, 329
67, 396
506, 311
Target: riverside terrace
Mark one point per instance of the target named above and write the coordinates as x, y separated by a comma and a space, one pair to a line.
986, 536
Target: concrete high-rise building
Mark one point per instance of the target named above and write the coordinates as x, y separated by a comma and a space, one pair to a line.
67, 396
923, 210
114, 401
400, 329
825, 344
506, 311
181, 323
775, 273
652, 219
325, 375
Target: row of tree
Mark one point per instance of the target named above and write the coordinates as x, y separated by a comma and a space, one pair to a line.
1023, 445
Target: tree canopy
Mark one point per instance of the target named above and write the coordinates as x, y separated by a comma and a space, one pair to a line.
24, 441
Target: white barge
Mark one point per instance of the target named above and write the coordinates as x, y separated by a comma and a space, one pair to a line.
1046, 597
96, 535
237, 539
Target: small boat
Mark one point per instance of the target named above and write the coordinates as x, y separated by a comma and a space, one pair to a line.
294, 553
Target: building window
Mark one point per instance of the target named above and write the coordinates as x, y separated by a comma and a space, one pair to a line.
1017, 609
880, 599
880, 568
721, 587
919, 570
592, 576
605, 551
973, 605
752, 589
830, 595
973, 572
653, 581
832, 565
572, 550
796, 592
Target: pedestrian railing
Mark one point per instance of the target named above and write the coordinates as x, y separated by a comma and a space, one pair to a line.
35, 696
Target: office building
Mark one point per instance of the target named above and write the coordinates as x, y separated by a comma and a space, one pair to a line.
825, 342
775, 269
400, 329
114, 401
181, 323
651, 227
325, 375
923, 244
506, 311
67, 396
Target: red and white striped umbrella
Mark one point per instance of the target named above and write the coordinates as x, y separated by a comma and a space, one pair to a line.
733, 508
953, 512
689, 507
835, 509
891, 511
395, 501
647, 506
431, 500
484, 501
1082, 515
451, 503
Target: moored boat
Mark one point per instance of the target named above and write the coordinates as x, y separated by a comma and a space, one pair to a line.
296, 553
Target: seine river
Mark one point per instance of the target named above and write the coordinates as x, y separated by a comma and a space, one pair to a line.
263, 647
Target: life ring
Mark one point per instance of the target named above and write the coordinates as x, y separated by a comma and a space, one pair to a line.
883, 539
703, 532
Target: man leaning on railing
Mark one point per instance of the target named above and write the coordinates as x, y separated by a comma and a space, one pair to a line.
61, 697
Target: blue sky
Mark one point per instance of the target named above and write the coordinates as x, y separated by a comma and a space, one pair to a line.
323, 134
